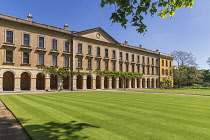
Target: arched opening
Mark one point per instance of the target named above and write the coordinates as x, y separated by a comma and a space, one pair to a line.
40, 81
25, 81
53, 81
113, 82
127, 83
106, 84
157, 83
133, 83
153, 83
8, 81
120, 82
143, 83
148, 83
79, 82
138, 82
89, 82
98, 82
66, 82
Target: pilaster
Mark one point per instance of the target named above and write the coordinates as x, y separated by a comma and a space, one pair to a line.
102, 82
117, 83
84, 82
33, 84
110, 83
17, 84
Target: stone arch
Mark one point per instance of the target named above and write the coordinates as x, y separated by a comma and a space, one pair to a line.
89, 82
121, 82
157, 81
148, 83
8, 81
113, 82
53, 81
66, 80
138, 82
143, 83
153, 83
133, 83
79, 81
25, 81
98, 82
106, 82
40, 81
127, 83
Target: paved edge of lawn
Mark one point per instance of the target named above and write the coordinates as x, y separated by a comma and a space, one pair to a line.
200, 95
10, 127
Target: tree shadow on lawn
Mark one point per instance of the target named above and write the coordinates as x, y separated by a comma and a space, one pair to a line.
54, 130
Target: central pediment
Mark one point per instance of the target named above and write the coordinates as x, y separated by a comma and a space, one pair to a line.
97, 34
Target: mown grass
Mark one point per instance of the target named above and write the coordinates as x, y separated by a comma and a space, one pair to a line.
111, 116
179, 91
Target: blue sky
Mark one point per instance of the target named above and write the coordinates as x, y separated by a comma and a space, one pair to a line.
188, 30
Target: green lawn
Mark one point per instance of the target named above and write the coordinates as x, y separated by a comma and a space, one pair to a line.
179, 91
111, 116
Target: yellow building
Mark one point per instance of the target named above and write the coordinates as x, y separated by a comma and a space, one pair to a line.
26, 44
166, 66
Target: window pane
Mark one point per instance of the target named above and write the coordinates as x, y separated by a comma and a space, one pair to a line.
67, 46
25, 58
89, 64
54, 58
41, 42
66, 61
9, 56
54, 44
89, 49
26, 40
9, 37
41, 59
79, 48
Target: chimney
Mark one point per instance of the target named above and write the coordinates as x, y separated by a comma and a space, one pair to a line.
29, 17
126, 42
66, 26
140, 46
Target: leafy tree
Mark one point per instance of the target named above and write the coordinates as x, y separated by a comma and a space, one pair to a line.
138, 9
185, 62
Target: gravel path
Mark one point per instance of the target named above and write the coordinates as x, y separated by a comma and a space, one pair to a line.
10, 129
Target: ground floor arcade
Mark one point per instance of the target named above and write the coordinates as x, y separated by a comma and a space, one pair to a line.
11, 80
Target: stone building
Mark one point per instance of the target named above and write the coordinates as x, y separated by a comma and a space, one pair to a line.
26, 44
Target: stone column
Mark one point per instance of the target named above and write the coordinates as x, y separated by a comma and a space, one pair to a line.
17, 84
47, 82
140, 82
110, 83
129, 83
145, 83
150, 83
94, 82
84, 82
155, 83
33, 83
117, 83
74, 82
135, 85
102, 82
1, 83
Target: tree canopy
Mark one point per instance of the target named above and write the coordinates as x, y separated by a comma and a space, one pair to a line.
138, 9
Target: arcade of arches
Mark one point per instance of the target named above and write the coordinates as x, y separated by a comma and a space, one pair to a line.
10, 82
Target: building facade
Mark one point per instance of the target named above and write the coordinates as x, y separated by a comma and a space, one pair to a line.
26, 45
